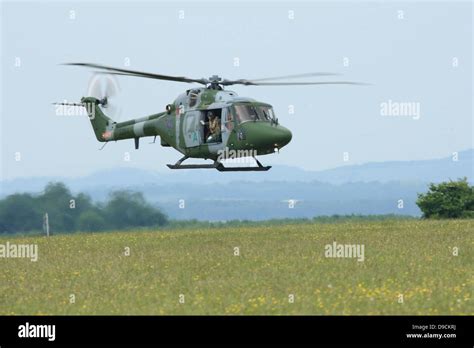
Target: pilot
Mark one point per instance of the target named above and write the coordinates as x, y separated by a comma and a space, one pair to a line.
214, 128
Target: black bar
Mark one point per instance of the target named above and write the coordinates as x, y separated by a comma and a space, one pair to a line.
288, 330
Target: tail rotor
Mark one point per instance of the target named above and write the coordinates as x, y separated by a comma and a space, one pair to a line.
105, 88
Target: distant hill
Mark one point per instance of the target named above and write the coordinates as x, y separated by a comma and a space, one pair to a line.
371, 188
435, 170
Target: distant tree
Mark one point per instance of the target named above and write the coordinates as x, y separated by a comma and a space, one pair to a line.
453, 199
19, 213
91, 221
129, 209
81, 203
55, 200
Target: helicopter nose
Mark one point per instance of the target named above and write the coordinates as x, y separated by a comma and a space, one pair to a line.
265, 136
282, 137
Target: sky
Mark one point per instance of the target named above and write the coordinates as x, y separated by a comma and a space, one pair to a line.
417, 54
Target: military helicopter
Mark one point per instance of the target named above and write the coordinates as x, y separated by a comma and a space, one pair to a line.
206, 122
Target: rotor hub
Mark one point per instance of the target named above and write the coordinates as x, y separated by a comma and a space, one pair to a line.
215, 82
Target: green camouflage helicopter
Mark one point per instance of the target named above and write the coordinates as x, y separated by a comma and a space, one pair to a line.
204, 122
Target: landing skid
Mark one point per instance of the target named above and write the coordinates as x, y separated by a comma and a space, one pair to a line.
219, 166
191, 166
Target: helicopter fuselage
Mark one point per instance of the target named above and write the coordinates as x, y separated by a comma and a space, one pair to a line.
207, 123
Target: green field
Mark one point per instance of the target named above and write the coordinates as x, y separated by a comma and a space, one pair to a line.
412, 258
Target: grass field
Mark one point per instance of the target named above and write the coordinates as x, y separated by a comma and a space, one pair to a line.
412, 258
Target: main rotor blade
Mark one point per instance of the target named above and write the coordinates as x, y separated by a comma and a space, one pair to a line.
118, 71
292, 76
251, 83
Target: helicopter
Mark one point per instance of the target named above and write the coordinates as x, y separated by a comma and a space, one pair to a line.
206, 122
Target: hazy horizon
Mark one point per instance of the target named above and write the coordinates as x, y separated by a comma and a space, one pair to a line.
166, 170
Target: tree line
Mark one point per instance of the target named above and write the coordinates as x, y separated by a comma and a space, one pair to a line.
24, 212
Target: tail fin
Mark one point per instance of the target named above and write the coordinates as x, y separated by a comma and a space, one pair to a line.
103, 126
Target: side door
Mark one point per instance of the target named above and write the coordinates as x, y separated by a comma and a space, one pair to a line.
192, 129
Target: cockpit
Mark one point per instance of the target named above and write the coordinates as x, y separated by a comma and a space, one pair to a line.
252, 112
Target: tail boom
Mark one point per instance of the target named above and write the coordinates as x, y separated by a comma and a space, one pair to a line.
106, 129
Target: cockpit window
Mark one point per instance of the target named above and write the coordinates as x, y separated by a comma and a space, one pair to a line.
266, 113
253, 113
246, 113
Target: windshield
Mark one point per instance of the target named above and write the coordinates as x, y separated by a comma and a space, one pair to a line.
247, 112
266, 113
